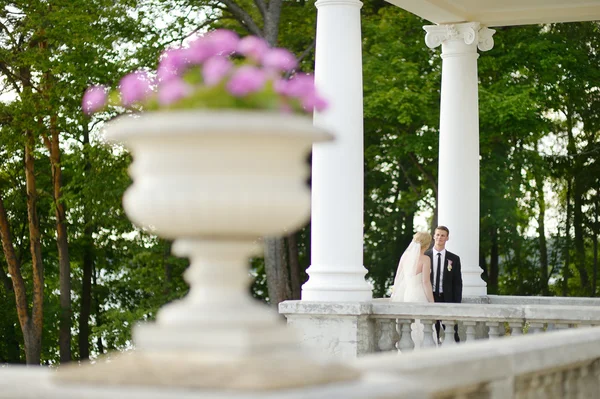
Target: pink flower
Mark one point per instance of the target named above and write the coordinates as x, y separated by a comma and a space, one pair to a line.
314, 102
173, 90
215, 69
253, 47
172, 63
279, 59
134, 87
281, 86
199, 50
246, 79
94, 99
223, 41
300, 85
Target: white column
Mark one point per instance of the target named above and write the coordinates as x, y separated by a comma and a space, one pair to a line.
337, 272
458, 180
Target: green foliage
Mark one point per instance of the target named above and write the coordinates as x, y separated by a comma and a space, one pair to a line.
401, 111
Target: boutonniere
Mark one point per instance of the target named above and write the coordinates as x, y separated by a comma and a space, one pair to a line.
449, 265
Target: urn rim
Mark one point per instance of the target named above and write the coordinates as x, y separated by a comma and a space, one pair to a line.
225, 122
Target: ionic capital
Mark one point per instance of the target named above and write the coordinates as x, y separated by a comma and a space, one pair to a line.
469, 33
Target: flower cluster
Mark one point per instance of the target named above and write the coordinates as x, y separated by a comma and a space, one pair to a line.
217, 70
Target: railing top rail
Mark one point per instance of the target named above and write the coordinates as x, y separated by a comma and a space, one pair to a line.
465, 311
383, 308
532, 300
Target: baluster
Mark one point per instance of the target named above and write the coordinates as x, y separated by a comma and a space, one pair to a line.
494, 329
570, 384
387, 337
521, 390
536, 388
536, 328
417, 333
585, 382
428, 330
470, 325
595, 375
448, 333
405, 343
516, 328
552, 386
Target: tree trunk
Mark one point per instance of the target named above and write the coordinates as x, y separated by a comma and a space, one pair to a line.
97, 309
494, 263
518, 264
567, 247
579, 234
595, 243
86, 293
87, 262
578, 193
271, 21
14, 268
294, 261
64, 269
276, 271
33, 333
484, 266
542, 237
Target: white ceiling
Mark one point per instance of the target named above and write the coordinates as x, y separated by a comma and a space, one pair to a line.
502, 12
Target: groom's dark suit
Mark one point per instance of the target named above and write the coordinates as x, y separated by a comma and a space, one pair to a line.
452, 281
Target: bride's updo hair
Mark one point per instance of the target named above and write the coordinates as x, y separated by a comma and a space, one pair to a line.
423, 238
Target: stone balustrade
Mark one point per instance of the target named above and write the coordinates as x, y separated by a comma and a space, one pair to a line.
477, 321
556, 365
348, 330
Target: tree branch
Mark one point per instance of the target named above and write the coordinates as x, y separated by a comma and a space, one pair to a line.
261, 7
428, 175
243, 17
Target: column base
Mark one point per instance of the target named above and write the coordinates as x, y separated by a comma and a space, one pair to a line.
328, 284
473, 284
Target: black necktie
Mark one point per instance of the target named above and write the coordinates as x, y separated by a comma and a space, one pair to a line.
437, 276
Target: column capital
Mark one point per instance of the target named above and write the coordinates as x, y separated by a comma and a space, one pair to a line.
469, 33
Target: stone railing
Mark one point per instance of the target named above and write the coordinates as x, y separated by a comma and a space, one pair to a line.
560, 364
476, 321
348, 329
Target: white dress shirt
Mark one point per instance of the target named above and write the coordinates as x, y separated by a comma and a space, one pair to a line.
434, 266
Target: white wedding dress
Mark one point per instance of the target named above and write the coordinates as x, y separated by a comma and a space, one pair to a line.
408, 284
408, 287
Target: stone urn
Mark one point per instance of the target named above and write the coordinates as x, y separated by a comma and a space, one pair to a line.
216, 182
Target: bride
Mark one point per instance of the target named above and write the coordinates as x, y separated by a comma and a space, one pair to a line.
412, 282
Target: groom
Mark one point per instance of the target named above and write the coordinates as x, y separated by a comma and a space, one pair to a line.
446, 278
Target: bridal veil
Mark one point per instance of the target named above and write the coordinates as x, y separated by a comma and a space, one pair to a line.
407, 268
